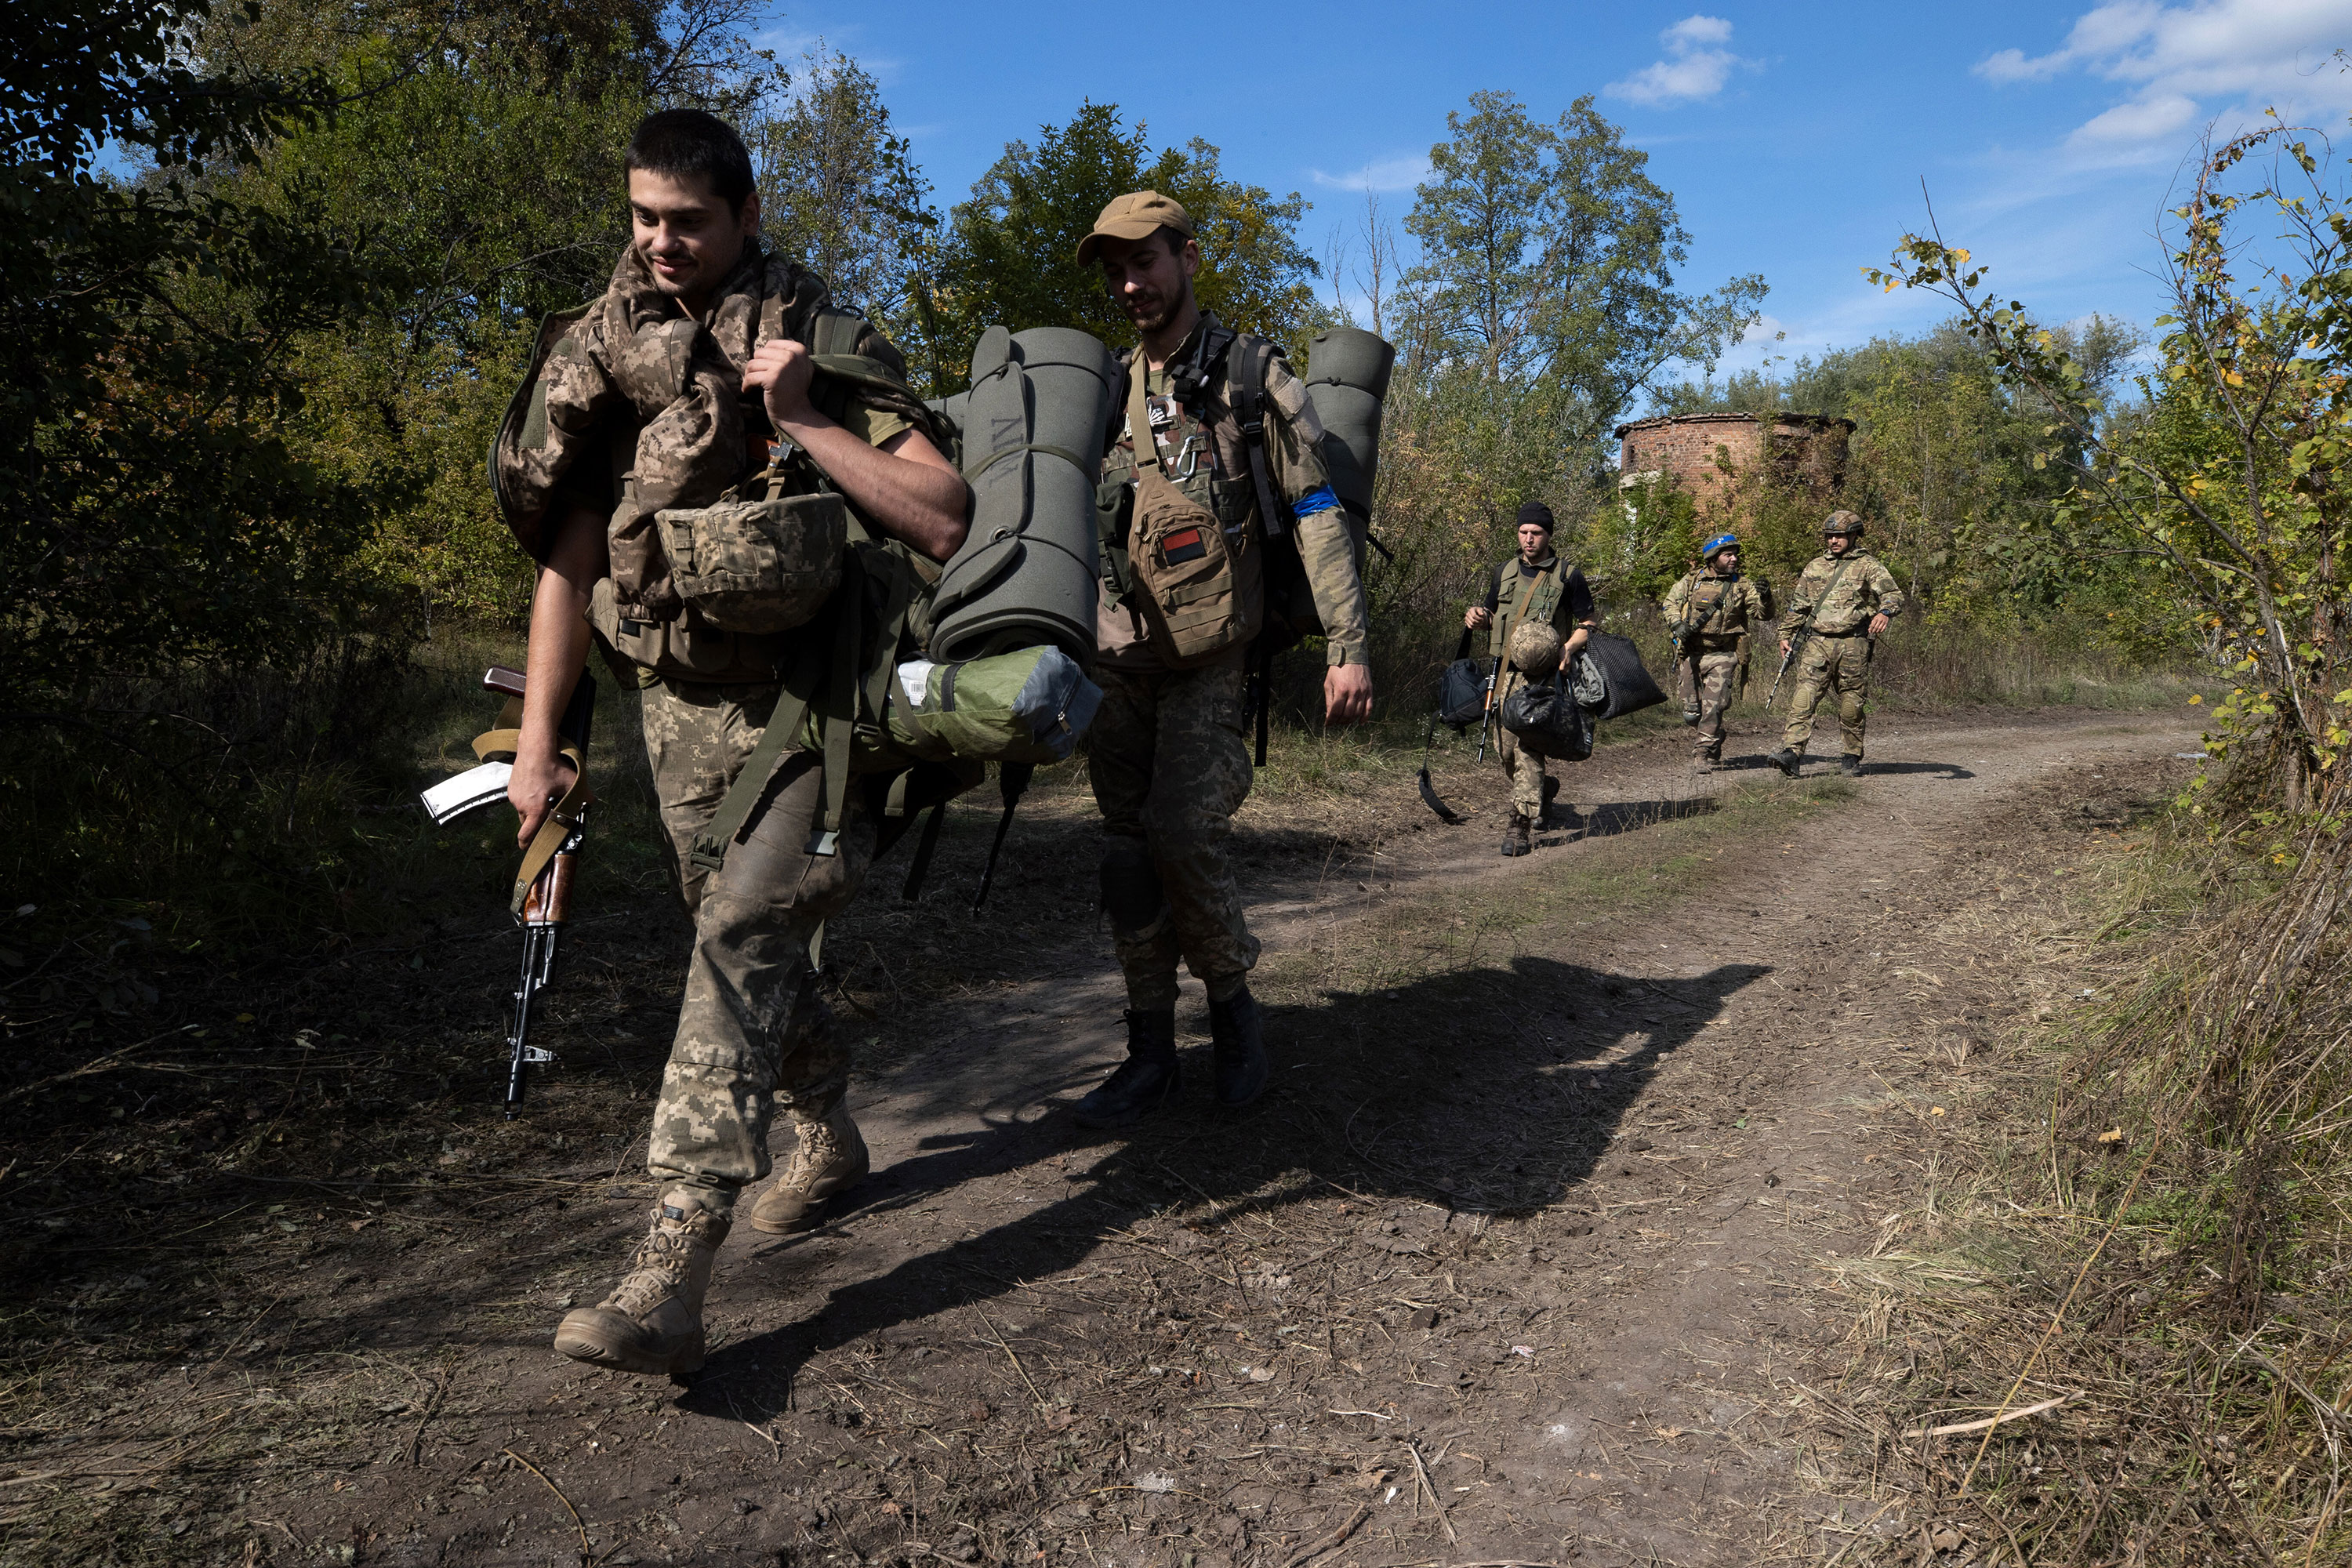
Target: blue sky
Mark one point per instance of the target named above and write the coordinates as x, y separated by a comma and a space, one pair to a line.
1794, 137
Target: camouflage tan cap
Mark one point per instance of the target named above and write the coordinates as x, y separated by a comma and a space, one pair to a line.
1138, 215
1841, 521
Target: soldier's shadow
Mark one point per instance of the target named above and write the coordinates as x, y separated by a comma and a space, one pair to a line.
1477, 1091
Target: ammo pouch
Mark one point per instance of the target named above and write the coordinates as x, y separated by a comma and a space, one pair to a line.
756, 566
1548, 720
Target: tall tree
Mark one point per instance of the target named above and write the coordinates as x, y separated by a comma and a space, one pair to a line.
1012, 257
1547, 264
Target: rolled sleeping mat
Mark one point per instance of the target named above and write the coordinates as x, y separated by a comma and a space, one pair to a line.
1033, 424
1347, 381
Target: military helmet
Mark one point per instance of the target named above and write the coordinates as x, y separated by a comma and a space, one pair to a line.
1841, 521
1534, 647
1720, 542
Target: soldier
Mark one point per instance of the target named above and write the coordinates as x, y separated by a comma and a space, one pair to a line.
1217, 428
1844, 599
1711, 612
1541, 588
665, 393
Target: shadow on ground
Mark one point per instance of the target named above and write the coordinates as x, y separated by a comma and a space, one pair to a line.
1474, 1091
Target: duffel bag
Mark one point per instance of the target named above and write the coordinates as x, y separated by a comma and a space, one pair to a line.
1027, 706
1548, 722
1624, 683
1461, 689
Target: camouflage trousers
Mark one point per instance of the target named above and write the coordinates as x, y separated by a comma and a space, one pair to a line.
1709, 683
1169, 768
1521, 766
753, 1034
1826, 665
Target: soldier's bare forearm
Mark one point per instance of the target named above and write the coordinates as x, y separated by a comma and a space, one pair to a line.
576, 558
905, 484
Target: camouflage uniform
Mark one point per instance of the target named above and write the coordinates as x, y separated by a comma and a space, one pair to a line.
1834, 601
1166, 756
634, 407
1722, 612
1556, 590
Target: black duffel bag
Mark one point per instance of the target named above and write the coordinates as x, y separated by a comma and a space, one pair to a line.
1548, 722
1622, 677
1461, 689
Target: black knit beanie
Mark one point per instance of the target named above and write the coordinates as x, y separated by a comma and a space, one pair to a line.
1534, 511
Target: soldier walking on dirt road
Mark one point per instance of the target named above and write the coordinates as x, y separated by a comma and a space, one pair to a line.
1533, 586
1843, 601
1711, 611
664, 394
1216, 428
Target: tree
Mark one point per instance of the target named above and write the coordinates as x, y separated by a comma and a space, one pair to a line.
2231, 479
1547, 258
1012, 257
158, 511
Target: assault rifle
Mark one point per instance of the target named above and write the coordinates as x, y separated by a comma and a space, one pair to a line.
1796, 643
543, 897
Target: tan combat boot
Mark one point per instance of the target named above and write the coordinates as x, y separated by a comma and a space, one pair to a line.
830, 1157
652, 1323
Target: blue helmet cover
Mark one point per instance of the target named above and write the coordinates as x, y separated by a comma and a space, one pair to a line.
1720, 542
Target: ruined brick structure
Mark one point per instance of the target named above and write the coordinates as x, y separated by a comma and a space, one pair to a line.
1711, 457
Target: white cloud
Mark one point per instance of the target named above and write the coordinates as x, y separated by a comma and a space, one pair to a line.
2209, 59
1379, 174
1696, 65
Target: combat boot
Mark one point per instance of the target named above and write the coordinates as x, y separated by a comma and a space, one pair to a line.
1515, 837
830, 1157
652, 1323
1787, 760
1146, 1080
1850, 765
1238, 1043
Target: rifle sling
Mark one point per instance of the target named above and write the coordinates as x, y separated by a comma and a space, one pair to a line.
558, 824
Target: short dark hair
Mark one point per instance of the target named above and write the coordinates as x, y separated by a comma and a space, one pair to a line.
682, 142
1174, 238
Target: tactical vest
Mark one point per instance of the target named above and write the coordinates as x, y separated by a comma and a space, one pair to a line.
1703, 610
1518, 597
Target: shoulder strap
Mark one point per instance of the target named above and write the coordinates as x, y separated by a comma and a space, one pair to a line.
1246, 360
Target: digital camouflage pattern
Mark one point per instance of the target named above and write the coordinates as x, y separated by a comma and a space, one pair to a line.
753, 1035
1839, 593
1210, 463
1827, 665
1170, 767
1521, 766
635, 387
1535, 648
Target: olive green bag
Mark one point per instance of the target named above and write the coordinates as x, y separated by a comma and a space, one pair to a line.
1203, 584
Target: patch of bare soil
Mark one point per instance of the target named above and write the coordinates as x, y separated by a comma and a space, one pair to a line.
1519, 1260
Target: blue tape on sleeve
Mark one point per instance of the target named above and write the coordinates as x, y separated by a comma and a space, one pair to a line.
1319, 499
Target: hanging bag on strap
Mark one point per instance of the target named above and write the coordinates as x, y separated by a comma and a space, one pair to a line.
1203, 585
1461, 689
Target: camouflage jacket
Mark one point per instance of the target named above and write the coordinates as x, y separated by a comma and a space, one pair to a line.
1837, 594
632, 405
1209, 462
1721, 610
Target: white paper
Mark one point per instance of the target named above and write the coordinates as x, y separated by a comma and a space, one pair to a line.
914, 679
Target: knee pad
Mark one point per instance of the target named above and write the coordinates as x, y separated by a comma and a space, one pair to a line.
1131, 894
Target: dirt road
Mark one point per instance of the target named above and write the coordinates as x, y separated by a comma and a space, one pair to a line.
1520, 1260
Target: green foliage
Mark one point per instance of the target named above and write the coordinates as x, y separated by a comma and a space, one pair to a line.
1637, 548
1013, 256
159, 513
2228, 481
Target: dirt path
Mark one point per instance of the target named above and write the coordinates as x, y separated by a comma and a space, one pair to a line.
1518, 1261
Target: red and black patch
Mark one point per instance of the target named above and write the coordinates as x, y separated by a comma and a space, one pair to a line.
1185, 544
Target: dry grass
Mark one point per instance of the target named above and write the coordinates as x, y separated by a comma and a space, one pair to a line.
2146, 1226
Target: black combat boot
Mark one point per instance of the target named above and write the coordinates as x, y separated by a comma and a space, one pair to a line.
1239, 1046
1515, 837
1146, 1080
1787, 760
1850, 765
